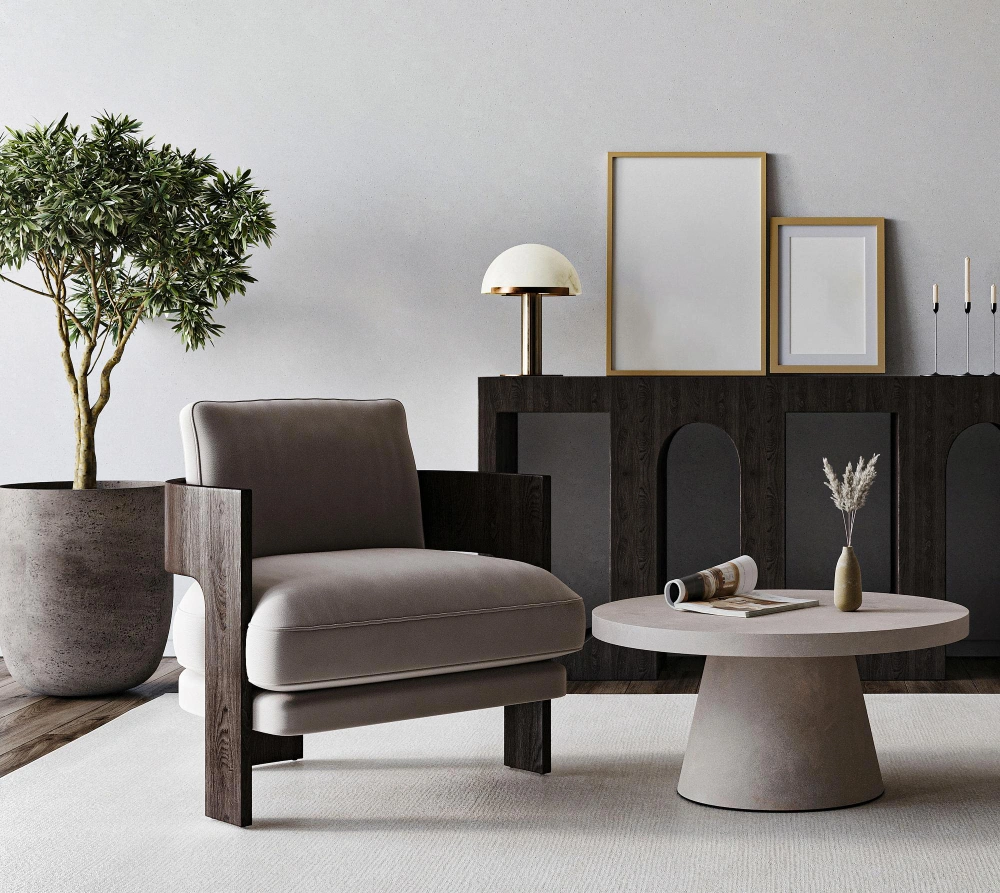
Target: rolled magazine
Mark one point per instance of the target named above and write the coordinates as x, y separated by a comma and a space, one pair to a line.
735, 577
728, 590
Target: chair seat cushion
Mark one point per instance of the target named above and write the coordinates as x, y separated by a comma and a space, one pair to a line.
326, 619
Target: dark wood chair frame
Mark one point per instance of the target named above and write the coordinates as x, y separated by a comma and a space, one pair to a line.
208, 537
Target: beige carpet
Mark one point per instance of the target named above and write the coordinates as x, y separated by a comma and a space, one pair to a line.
427, 805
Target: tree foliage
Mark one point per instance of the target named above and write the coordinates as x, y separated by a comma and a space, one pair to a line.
121, 231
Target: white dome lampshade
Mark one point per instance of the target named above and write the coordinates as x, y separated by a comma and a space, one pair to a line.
531, 271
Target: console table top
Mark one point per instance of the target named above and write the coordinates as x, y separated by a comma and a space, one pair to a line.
886, 622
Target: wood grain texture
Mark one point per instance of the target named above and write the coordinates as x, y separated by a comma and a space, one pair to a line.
928, 413
13, 696
208, 537
504, 515
26, 724
54, 722
682, 675
266, 748
498, 452
527, 736
599, 660
604, 688
983, 671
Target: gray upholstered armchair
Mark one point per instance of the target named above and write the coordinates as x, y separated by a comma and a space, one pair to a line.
324, 599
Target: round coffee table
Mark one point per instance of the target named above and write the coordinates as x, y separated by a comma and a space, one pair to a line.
780, 723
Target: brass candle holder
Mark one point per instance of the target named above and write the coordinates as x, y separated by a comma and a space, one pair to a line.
968, 336
934, 300
993, 313
968, 316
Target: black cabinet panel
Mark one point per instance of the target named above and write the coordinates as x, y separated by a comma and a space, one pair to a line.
574, 448
814, 528
973, 533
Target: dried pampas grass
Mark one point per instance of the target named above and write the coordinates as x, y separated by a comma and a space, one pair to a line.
850, 493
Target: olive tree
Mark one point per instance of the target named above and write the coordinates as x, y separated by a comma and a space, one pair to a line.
121, 231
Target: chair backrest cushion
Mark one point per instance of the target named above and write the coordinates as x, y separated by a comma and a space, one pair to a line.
325, 474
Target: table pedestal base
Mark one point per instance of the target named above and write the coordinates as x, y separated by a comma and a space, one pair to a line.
780, 734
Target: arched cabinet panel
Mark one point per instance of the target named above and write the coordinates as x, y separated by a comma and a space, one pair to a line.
973, 536
700, 502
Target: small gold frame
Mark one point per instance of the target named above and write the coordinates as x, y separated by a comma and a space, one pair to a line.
776, 224
609, 359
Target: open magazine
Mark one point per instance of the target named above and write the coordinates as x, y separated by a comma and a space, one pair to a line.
728, 590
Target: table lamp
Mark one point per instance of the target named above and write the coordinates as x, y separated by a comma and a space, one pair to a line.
531, 271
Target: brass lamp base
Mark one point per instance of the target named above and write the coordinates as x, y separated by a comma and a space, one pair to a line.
531, 334
531, 324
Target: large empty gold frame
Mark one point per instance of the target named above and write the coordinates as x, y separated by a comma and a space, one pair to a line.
610, 361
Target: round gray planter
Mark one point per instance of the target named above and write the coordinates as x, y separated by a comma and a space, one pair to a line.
85, 603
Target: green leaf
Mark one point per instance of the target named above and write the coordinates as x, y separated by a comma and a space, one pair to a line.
163, 232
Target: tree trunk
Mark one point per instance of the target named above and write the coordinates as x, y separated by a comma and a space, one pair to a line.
85, 476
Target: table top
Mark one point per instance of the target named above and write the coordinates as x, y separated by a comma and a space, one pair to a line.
885, 622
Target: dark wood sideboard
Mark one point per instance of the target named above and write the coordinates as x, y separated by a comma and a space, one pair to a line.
927, 414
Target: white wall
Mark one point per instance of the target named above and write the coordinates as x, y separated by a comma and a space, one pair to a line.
406, 144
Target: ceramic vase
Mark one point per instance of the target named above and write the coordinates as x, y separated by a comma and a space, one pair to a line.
847, 581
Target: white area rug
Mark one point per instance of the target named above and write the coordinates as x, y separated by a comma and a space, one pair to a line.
427, 805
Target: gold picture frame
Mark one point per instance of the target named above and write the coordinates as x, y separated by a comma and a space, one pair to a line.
778, 339
758, 368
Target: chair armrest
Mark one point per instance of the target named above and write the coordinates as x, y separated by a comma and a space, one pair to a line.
209, 537
206, 527
505, 515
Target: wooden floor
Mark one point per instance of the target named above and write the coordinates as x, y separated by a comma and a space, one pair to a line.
682, 675
33, 725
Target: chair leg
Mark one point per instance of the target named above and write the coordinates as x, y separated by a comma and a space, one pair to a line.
228, 765
266, 748
230, 755
228, 775
527, 736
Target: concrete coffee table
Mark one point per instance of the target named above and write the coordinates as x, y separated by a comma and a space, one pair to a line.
780, 722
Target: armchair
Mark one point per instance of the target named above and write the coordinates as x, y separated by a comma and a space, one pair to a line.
328, 594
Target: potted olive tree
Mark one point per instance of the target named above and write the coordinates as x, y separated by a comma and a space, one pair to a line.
110, 231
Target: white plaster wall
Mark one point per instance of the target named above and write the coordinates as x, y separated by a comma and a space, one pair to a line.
406, 144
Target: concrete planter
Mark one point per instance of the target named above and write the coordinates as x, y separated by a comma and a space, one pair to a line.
85, 603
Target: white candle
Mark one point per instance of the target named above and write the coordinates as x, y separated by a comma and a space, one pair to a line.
968, 281
934, 293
